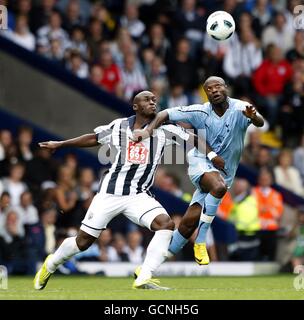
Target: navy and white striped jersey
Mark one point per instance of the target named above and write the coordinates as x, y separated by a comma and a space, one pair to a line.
135, 164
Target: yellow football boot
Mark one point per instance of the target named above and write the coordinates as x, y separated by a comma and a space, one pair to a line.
42, 276
136, 272
150, 284
201, 253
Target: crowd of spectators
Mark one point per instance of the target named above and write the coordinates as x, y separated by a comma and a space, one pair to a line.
126, 46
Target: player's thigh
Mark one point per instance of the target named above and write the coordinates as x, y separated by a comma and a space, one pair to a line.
103, 209
201, 167
142, 209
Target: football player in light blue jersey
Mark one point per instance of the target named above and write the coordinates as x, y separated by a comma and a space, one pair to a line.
223, 122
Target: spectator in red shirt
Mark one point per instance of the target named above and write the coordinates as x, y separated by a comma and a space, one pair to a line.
269, 81
111, 77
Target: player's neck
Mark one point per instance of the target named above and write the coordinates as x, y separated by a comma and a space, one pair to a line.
141, 121
220, 109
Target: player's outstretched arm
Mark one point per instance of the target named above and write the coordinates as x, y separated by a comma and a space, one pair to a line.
84, 141
251, 113
160, 118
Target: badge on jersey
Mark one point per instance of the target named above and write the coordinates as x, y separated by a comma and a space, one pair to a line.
137, 153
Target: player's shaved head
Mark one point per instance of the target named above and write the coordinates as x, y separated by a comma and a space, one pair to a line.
144, 104
214, 78
140, 95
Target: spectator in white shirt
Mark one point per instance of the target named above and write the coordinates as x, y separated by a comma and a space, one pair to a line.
52, 30
107, 252
289, 12
243, 56
56, 52
13, 227
279, 33
27, 212
133, 78
78, 42
77, 65
286, 175
131, 21
157, 71
21, 34
134, 249
122, 45
13, 183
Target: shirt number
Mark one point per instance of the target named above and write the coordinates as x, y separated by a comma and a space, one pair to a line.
137, 153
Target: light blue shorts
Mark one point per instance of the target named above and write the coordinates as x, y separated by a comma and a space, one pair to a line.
197, 167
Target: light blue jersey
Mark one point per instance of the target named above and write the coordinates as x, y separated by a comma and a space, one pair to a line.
224, 134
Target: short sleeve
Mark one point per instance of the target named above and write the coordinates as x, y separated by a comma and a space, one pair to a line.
192, 114
103, 133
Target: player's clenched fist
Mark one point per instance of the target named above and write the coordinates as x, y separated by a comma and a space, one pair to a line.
219, 163
139, 135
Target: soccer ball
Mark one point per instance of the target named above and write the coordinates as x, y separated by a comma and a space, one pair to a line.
220, 25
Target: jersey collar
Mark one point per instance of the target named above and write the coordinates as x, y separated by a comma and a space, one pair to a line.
132, 122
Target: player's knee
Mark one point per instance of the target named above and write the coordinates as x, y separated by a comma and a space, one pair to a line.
162, 222
219, 190
84, 241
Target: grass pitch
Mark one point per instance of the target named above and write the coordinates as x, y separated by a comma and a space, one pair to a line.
278, 287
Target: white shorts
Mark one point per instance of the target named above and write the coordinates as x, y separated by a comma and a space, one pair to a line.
139, 208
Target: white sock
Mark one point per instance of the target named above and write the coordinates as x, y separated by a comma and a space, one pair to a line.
66, 250
156, 254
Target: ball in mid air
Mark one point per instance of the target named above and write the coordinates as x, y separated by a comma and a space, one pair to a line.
220, 25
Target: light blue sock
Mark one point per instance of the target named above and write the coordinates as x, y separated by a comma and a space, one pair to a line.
207, 216
177, 242
202, 231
